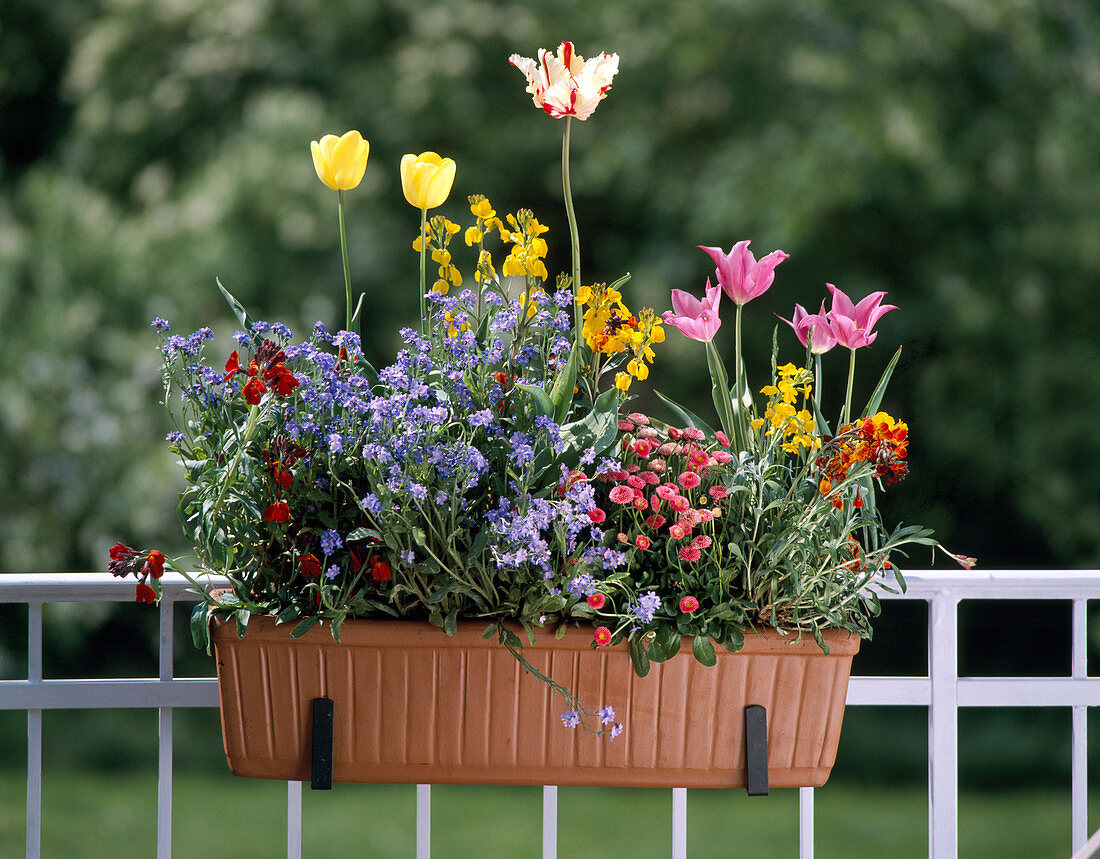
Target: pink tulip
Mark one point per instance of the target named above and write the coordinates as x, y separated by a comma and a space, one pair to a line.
804, 323
739, 274
695, 318
851, 324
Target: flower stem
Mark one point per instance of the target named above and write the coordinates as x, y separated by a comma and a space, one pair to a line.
738, 426
817, 381
349, 321
574, 236
423, 281
846, 415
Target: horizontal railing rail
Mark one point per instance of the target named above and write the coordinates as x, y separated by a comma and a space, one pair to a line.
942, 691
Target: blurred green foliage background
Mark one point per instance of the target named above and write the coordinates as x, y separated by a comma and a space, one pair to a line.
946, 151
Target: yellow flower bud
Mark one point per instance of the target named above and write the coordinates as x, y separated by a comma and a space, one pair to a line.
472, 236
622, 381
426, 179
340, 161
441, 286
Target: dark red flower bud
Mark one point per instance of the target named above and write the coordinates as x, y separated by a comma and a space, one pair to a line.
145, 594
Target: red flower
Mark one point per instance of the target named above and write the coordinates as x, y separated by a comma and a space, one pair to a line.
277, 512
602, 636
282, 381
597, 601
145, 594
154, 564
233, 366
379, 569
689, 604
253, 391
310, 566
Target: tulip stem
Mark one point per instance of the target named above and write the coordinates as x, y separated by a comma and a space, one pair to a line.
846, 415
423, 281
574, 236
740, 436
349, 321
817, 380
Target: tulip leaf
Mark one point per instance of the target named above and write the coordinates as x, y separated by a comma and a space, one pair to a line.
540, 400
689, 418
237, 308
595, 430
561, 394
880, 388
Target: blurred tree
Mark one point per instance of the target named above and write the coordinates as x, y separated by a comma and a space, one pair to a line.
945, 151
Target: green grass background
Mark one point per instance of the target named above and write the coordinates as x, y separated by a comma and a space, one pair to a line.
216, 814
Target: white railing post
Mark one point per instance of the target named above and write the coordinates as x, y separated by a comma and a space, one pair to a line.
943, 727
167, 671
34, 734
423, 821
293, 820
1079, 776
805, 823
549, 821
679, 822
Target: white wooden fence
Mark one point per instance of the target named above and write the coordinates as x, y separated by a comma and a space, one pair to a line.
942, 691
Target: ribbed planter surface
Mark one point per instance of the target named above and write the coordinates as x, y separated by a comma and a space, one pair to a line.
413, 705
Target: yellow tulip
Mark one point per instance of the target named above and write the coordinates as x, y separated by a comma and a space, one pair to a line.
340, 161
426, 179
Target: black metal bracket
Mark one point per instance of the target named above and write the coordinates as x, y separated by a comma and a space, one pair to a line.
756, 750
321, 776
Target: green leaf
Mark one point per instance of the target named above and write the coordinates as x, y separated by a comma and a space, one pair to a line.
510, 639
490, 631
540, 400
303, 627
596, 430
703, 649
337, 622
200, 626
237, 307
241, 615
450, 622
880, 388
561, 394
360, 534
688, 418
638, 657
439, 595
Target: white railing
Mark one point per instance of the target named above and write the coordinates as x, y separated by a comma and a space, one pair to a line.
943, 692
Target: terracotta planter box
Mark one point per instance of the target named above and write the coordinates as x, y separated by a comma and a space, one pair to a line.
415, 706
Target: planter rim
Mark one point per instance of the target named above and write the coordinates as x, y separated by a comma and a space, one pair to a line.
421, 634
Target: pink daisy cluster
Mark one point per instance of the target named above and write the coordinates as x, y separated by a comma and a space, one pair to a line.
669, 490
